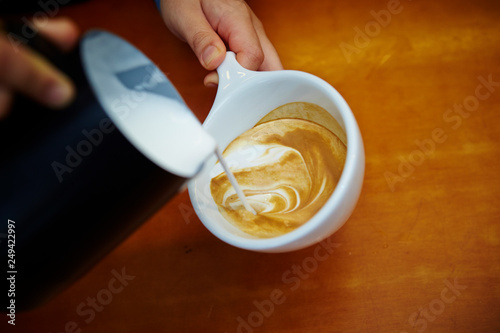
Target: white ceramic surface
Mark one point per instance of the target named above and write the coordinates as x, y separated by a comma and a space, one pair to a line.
243, 98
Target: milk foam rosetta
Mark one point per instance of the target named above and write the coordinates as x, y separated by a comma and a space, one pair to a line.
287, 169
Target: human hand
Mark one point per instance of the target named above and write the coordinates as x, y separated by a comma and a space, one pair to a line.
23, 71
206, 25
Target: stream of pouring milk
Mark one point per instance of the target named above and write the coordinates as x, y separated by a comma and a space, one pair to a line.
233, 181
153, 126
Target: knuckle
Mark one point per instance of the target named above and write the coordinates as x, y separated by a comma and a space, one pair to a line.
257, 24
200, 39
239, 5
235, 4
233, 8
255, 57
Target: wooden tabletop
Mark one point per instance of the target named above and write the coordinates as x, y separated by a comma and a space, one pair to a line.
421, 252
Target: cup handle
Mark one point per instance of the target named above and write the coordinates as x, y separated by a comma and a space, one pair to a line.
231, 76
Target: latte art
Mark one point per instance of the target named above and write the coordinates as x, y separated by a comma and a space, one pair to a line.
287, 169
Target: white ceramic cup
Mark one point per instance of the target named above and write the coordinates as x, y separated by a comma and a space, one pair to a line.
243, 98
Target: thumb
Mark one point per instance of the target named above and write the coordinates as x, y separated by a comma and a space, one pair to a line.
189, 23
207, 46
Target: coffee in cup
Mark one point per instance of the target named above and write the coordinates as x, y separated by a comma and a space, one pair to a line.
287, 165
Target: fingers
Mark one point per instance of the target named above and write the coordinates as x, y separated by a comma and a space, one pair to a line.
247, 38
186, 19
233, 21
236, 23
24, 71
61, 31
271, 58
211, 79
209, 25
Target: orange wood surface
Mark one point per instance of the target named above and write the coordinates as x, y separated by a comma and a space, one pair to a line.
421, 252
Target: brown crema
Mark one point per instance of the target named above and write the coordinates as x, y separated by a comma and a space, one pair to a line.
287, 169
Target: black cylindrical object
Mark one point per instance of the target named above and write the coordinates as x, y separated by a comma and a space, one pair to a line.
72, 186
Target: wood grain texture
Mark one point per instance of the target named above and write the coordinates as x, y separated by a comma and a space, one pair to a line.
421, 253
